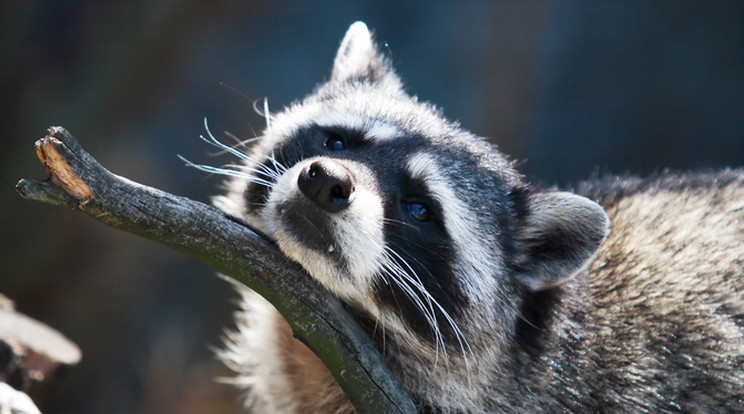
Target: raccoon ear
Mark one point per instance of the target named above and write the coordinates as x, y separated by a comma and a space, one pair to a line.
358, 57
558, 235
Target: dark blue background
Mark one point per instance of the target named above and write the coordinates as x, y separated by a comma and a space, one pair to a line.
569, 88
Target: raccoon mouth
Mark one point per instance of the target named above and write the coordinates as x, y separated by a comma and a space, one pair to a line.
308, 226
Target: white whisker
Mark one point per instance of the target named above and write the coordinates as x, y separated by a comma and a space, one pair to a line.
261, 170
410, 276
261, 173
215, 142
227, 172
242, 142
400, 277
263, 112
267, 113
281, 169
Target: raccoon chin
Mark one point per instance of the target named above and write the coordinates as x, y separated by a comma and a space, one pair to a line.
342, 248
307, 239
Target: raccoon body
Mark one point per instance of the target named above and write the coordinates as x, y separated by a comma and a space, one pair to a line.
483, 293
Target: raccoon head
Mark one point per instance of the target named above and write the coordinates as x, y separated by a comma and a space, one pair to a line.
421, 226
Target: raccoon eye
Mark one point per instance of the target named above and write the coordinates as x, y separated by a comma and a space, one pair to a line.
335, 142
419, 211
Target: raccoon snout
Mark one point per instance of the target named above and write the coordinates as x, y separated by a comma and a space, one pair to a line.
328, 184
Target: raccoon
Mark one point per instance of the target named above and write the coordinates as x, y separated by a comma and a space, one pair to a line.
482, 292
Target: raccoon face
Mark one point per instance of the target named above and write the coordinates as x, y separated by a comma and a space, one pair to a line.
371, 220
404, 215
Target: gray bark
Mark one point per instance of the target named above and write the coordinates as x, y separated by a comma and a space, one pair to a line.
230, 245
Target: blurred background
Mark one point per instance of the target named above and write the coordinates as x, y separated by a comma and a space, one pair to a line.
569, 89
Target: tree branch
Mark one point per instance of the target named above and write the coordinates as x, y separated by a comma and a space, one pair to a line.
230, 245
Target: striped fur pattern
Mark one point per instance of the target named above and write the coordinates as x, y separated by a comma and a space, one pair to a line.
483, 293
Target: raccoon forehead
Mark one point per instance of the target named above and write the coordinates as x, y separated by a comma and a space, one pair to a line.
373, 129
294, 119
382, 116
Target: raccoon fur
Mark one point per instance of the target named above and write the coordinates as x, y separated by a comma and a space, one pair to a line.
482, 292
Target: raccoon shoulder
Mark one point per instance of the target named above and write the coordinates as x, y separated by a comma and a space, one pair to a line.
663, 303
611, 189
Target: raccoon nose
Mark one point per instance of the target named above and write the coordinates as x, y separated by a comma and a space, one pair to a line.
328, 184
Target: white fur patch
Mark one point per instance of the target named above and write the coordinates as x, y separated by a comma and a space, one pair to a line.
251, 350
373, 129
289, 122
357, 234
475, 260
382, 132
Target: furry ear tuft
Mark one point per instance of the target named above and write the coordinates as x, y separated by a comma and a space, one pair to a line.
558, 236
358, 58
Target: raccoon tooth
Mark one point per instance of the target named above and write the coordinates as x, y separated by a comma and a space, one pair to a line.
331, 249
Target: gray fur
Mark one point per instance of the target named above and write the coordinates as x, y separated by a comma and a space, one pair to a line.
532, 305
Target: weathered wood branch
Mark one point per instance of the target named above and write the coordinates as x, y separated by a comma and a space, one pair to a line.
78, 181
